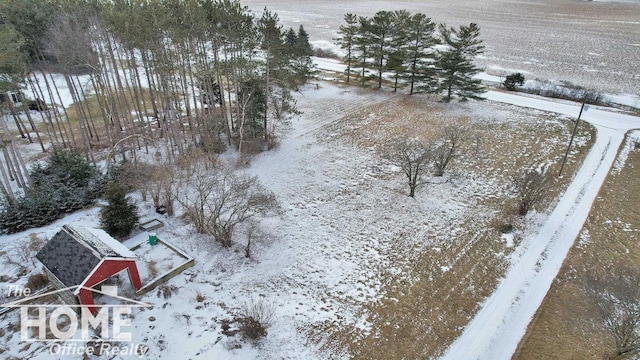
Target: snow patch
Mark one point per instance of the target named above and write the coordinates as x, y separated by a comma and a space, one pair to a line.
508, 239
631, 143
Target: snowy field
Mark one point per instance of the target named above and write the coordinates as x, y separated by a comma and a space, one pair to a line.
589, 43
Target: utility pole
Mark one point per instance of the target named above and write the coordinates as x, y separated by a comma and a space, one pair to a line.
573, 134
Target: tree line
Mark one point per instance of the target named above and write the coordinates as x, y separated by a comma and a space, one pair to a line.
171, 74
428, 58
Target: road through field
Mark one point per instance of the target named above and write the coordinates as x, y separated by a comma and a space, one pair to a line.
496, 330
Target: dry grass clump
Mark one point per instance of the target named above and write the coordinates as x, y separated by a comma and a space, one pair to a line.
37, 282
255, 317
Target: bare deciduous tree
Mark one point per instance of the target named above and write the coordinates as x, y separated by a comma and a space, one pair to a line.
530, 189
448, 147
151, 179
616, 294
253, 235
217, 200
412, 157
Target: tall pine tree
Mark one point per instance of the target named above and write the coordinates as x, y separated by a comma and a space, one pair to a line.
397, 45
348, 34
455, 64
420, 60
276, 56
303, 67
381, 29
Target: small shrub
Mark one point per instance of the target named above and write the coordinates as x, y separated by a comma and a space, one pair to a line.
35, 243
566, 91
215, 145
120, 216
166, 290
37, 282
513, 80
506, 228
225, 326
251, 328
325, 53
153, 269
531, 189
199, 297
36, 105
255, 318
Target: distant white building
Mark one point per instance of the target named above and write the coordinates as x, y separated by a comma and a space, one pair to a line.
15, 97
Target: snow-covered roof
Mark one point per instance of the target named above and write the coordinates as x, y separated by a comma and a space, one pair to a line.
99, 241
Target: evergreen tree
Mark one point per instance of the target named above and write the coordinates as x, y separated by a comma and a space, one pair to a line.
381, 28
120, 216
302, 46
291, 39
276, 56
12, 59
363, 46
348, 35
513, 80
279, 73
455, 64
303, 67
397, 45
30, 18
420, 67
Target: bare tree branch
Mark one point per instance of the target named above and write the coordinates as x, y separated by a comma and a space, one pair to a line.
530, 189
412, 157
448, 147
616, 293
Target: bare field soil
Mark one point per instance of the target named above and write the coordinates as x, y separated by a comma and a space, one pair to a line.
589, 43
446, 263
562, 328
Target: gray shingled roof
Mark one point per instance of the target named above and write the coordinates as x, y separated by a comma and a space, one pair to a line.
70, 261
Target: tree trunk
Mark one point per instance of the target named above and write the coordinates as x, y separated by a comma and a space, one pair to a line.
47, 116
6, 185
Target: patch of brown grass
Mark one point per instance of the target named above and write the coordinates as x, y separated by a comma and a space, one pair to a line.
562, 328
426, 306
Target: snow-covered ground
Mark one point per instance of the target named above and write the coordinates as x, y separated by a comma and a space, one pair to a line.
317, 263
497, 328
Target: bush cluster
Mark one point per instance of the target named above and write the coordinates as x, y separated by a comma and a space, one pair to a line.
65, 183
566, 91
255, 317
37, 281
513, 81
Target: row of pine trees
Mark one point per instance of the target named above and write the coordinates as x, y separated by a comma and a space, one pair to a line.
165, 73
428, 58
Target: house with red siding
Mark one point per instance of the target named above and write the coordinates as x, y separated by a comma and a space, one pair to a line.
81, 257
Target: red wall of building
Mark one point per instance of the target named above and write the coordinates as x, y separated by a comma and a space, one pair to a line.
105, 269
